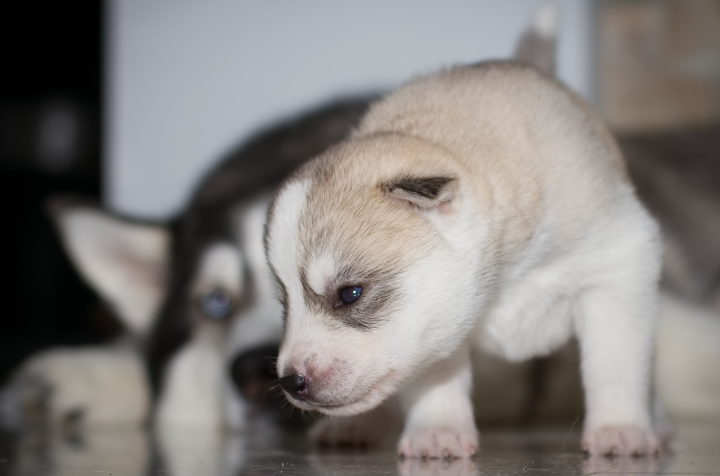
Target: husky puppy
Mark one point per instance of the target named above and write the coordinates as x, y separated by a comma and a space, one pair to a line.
483, 206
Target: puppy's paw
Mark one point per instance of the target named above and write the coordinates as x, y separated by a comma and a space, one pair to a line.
439, 442
620, 440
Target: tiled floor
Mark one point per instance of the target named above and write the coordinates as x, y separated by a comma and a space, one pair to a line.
190, 453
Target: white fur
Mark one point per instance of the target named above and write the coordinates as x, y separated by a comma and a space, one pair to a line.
289, 205
434, 433
321, 271
221, 266
192, 395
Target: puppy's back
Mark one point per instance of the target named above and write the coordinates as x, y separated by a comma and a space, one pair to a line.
513, 128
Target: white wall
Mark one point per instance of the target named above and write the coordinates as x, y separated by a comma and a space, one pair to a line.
187, 79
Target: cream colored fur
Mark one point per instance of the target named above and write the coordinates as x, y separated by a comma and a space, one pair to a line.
535, 237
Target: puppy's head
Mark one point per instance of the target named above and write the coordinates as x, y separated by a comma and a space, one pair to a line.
374, 261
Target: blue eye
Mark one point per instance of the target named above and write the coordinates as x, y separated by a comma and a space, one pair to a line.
216, 304
350, 294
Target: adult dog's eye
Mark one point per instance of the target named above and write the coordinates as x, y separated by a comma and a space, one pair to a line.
216, 304
350, 294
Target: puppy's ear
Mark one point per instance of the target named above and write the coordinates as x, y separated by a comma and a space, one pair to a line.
125, 262
421, 192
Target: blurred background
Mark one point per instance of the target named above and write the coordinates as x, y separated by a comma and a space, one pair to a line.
51, 116
129, 102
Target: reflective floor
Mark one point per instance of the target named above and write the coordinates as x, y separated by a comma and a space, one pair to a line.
185, 453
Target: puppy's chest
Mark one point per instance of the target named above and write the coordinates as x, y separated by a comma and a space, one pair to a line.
531, 317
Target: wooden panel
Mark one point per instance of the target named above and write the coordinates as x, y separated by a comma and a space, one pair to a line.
658, 63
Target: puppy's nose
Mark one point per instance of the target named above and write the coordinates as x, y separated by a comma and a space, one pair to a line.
294, 384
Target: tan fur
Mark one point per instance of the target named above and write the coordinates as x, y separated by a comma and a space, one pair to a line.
474, 124
347, 202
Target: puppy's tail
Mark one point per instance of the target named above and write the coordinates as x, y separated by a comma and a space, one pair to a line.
537, 46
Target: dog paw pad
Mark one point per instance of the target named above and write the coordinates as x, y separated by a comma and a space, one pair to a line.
439, 443
620, 440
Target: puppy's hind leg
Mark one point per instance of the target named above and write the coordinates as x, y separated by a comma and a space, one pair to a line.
440, 421
616, 331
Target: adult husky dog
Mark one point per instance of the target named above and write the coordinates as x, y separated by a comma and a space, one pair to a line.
195, 295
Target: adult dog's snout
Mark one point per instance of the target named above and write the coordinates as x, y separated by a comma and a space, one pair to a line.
253, 371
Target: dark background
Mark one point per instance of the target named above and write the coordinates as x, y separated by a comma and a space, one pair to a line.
50, 129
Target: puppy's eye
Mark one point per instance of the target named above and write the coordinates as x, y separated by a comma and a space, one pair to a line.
216, 304
350, 294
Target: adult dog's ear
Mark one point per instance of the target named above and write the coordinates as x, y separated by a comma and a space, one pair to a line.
423, 192
125, 262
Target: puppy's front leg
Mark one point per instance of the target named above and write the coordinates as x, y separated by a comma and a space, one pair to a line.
616, 333
440, 422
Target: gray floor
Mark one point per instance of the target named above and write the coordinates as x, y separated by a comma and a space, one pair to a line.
696, 450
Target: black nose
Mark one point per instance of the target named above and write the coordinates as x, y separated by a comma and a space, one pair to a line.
253, 371
294, 384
